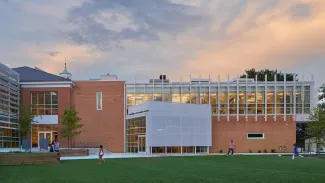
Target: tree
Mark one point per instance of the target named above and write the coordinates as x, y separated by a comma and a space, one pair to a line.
316, 126
321, 97
270, 75
25, 121
70, 124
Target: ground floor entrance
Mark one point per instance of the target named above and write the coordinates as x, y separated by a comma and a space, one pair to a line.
141, 144
43, 135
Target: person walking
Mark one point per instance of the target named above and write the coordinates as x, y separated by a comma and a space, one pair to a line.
56, 146
231, 148
101, 154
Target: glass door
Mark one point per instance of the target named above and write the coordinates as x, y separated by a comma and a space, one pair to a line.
45, 135
141, 144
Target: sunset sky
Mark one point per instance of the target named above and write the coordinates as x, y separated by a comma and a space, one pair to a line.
146, 38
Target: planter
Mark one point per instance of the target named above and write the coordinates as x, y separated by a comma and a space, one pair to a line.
74, 152
29, 158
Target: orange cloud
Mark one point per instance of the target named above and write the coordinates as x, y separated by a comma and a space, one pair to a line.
276, 40
76, 56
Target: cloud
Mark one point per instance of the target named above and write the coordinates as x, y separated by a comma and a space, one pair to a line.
174, 37
106, 23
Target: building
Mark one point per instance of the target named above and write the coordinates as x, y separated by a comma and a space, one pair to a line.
9, 108
165, 127
257, 115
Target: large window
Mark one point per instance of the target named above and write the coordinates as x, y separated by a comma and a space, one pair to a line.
44, 103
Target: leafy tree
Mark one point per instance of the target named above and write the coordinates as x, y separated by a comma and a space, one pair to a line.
270, 75
321, 97
316, 126
70, 124
25, 121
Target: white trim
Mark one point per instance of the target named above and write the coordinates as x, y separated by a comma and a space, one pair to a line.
65, 84
265, 99
255, 138
101, 101
124, 121
285, 98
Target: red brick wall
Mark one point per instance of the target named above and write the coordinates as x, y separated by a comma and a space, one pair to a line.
105, 126
64, 101
277, 133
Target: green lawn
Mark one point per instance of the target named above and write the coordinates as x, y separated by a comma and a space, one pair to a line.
172, 169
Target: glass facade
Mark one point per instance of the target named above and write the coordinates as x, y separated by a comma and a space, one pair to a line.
229, 98
9, 108
44, 103
49, 132
135, 133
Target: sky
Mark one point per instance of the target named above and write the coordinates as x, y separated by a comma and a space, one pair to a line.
142, 39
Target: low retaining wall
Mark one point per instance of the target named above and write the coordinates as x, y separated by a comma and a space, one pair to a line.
74, 152
29, 158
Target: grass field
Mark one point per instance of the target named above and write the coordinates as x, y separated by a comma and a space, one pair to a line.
172, 169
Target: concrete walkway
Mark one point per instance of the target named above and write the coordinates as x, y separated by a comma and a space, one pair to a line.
131, 155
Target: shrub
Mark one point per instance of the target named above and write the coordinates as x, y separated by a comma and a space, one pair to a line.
220, 151
250, 151
259, 151
265, 151
272, 150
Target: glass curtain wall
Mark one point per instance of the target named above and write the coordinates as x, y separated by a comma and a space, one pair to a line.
134, 128
9, 108
250, 99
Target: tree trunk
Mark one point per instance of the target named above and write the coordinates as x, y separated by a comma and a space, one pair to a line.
68, 142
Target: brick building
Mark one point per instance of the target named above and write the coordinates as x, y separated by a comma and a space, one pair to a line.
255, 114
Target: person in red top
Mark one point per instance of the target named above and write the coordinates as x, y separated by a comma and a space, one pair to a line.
101, 154
231, 147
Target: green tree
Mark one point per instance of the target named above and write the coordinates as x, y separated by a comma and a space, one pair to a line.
25, 121
70, 124
316, 126
251, 73
321, 97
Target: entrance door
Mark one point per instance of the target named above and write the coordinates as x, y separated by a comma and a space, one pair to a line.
141, 144
44, 135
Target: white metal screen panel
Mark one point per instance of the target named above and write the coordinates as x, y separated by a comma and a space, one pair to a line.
178, 130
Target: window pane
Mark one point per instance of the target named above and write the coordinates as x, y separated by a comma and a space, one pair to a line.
54, 98
41, 97
34, 98
48, 98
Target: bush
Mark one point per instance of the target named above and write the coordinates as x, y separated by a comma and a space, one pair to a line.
272, 150
250, 151
265, 151
220, 151
259, 151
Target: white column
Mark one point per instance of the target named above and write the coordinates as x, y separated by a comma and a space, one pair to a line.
294, 96
199, 94
228, 97
285, 97
209, 90
218, 110
135, 81
181, 89
246, 104
153, 88
162, 88
303, 95
9, 98
237, 97
265, 99
275, 93
255, 97
190, 89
